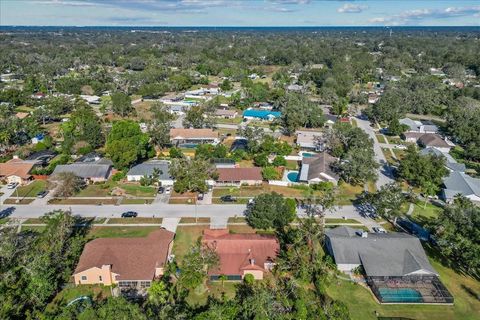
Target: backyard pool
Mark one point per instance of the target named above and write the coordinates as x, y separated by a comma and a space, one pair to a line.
400, 295
292, 176
308, 155
188, 145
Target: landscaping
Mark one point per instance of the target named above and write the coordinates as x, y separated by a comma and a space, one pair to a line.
185, 237
95, 292
194, 220
18, 201
31, 190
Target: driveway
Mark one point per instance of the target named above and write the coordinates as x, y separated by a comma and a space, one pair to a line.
7, 193
384, 171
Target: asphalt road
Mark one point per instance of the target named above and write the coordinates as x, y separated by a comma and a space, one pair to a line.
384, 171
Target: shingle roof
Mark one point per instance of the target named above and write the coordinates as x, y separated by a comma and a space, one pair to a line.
239, 252
225, 112
85, 170
313, 167
192, 133
451, 163
433, 140
238, 174
461, 183
16, 167
130, 258
147, 168
388, 254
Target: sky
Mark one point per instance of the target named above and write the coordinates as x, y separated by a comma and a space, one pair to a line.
240, 13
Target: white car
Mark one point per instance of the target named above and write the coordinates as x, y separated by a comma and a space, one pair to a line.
168, 190
379, 230
401, 147
12, 185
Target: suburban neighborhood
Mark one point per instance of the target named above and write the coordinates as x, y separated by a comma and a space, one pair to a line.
196, 173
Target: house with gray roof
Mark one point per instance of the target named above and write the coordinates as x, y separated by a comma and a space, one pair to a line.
391, 261
460, 183
90, 172
318, 169
419, 126
148, 168
450, 163
307, 139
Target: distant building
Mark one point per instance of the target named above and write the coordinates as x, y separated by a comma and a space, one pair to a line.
309, 139
17, 170
434, 141
317, 169
129, 263
226, 113
460, 183
241, 253
261, 114
88, 171
147, 169
419, 126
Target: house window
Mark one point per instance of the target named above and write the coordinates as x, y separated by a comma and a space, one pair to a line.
145, 284
100, 278
84, 278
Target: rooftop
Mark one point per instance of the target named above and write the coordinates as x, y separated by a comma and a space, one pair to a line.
16, 167
461, 183
85, 170
130, 258
313, 167
147, 168
238, 174
192, 133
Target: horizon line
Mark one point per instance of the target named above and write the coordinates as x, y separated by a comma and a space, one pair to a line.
252, 26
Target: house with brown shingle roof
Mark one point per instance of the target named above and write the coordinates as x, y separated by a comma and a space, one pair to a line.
239, 176
126, 262
186, 137
16, 171
434, 141
242, 253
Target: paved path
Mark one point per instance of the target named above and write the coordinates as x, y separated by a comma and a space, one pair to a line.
170, 224
384, 171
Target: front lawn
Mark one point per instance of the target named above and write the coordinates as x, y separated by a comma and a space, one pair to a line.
134, 220
423, 214
194, 220
463, 288
185, 237
31, 189
105, 190
95, 190
340, 220
380, 138
138, 190
119, 232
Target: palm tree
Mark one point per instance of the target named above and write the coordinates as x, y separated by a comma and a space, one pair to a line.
222, 278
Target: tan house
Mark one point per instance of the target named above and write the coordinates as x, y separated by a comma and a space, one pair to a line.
241, 253
239, 176
16, 171
127, 262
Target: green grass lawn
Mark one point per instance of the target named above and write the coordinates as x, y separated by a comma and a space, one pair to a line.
134, 220
213, 288
33, 228
119, 232
193, 220
4, 220
236, 120
14, 201
347, 193
362, 305
237, 220
292, 165
104, 190
94, 190
31, 189
95, 292
340, 220
136, 201
423, 214
185, 237
380, 138
138, 191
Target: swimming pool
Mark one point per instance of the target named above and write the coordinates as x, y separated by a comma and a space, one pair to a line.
188, 145
292, 176
308, 155
400, 295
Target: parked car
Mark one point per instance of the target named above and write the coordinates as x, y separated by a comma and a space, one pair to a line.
379, 230
228, 198
200, 196
12, 185
129, 214
401, 147
42, 194
161, 190
168, 190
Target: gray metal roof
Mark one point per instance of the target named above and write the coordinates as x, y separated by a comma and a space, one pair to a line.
85, 170
461, 183
381, 254
146, 168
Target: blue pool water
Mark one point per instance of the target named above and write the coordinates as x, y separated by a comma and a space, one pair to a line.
308, 155
188, 145
400, 295
292, 176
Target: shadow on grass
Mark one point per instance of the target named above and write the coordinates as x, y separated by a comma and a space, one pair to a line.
471, 292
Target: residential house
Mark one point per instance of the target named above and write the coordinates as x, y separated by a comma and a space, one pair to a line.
434, 141
241, 253
419, 126
239, 144
239, 176
392, 263
309, 140
193, 137
258, 114
88, 171
91, 99
450, 163
42, 157
17, 170
317, 169
226, 113
460, 183
224, 163
148, 168
126, 262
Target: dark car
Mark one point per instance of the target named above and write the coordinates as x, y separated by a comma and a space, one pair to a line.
161, 190
200, 196
42, 194
228, 198
129, 214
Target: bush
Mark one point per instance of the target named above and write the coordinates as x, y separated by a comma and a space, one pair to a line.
119, 176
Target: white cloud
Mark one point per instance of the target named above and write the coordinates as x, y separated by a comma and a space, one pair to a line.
352, 8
